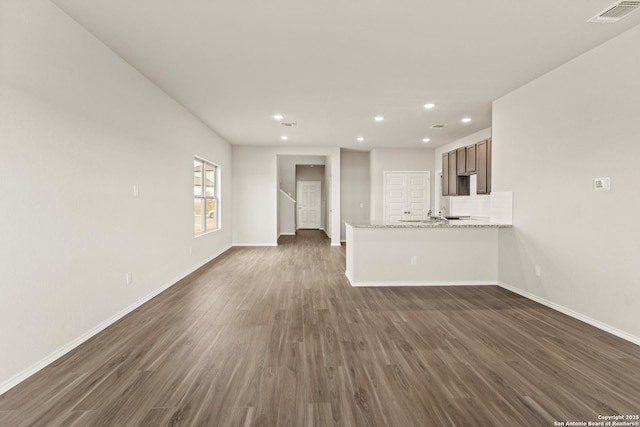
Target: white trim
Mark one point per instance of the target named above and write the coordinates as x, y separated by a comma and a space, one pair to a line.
287, 234
434, 283
17, 379
216, 197
562, 309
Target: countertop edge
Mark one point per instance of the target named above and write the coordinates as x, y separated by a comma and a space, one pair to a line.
451, 224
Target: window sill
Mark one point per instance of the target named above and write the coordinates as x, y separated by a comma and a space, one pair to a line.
204, 233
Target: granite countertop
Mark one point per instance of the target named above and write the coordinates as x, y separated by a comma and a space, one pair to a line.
454, 223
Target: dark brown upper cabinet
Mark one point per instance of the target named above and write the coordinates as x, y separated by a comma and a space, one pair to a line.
445, 174
452, 183
461, 160
458, 165
483, 167
453, 173
470, 159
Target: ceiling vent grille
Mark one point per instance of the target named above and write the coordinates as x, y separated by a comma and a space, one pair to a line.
438, 126
616, 12
289, 124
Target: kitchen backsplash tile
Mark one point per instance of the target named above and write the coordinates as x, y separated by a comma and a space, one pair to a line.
498, 206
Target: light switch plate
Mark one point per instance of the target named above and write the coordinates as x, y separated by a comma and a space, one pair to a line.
602, 184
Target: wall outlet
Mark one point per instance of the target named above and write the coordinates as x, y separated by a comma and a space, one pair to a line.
361, 205
190, 251
414, 260
538, 271
136, 191
129, 278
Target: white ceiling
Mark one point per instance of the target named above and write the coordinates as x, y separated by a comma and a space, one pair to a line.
332, 65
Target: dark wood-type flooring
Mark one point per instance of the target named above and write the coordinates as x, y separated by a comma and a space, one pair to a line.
277, 337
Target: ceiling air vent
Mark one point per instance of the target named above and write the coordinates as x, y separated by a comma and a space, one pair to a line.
615, 12
438, 126
289, 124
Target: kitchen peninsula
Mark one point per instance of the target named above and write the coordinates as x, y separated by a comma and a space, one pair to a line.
430, 253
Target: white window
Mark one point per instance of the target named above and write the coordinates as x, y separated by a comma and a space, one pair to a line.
206, 190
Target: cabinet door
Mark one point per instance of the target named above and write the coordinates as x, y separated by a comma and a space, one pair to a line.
461, 161
489, 167
471, 159
445, 174
453, 174
483, 166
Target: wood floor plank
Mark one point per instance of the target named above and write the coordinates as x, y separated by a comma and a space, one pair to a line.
275, 336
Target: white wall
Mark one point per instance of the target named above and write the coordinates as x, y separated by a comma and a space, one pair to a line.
354, 188
328, 209
551, 138
255, 189
78, 128
286, 214
395, 159
255, 193
287, 170
462, 142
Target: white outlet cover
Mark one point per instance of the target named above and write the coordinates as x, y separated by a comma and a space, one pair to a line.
602, 184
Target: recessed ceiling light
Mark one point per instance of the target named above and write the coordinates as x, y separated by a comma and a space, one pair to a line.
278, 116
360, 139
378, 118
284, 137
465, 120
429, 105
425, 140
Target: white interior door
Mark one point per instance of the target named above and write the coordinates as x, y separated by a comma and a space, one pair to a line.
418, 197
309, 204
395, 196
407, 195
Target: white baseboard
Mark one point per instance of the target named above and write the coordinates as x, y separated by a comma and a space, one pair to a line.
349, 278
562, 309
287, 234
434, 283
17, 379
